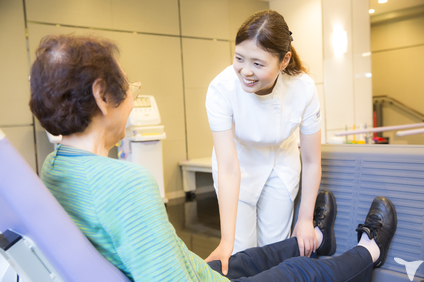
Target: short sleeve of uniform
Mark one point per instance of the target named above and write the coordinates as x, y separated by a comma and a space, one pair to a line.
311, 121
218, 107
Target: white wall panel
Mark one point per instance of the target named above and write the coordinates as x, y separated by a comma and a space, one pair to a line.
338, 68
304, 18
402, 80
199, 135
406, 85
209, 19
203, 60
362, 80
398, 33
398, 70
93, 13
232, 50
44, 147
14, 90
159, 16
22, 138
321, 95
345, 77
240, 10
156, 62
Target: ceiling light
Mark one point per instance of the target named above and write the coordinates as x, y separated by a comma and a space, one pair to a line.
371, 11
382, 1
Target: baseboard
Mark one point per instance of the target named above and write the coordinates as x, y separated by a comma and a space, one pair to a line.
181, 193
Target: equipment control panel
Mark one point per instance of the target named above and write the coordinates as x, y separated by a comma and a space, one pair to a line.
145, 112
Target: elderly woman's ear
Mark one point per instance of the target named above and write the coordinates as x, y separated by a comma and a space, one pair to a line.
99, 93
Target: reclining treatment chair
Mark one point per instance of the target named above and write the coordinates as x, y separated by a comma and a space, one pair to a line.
39, 239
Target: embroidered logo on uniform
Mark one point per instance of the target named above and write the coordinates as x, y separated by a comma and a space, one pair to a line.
317, 116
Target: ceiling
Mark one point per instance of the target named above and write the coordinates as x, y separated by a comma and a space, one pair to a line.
393, 5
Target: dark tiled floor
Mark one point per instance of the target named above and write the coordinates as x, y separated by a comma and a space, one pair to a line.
196, 222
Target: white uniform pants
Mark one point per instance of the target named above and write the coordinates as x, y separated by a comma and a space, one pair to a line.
268, 221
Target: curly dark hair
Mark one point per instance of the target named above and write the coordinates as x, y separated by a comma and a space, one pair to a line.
62, 77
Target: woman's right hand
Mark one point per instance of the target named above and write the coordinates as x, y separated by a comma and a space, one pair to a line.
229, 187
223, 254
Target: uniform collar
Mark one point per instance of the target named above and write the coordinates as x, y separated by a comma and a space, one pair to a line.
63, 150
275, 90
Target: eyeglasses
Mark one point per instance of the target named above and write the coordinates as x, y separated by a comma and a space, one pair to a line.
135, 89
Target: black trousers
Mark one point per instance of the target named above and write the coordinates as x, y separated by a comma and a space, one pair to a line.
281, 262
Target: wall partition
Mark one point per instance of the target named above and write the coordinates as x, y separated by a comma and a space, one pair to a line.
174, 47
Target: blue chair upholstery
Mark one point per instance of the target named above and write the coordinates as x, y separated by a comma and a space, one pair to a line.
29, 209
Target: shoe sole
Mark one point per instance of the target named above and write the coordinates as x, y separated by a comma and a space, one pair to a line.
333, 235
383, 259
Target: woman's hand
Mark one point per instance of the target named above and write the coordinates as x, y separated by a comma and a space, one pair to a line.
304, 231
222, 253
311, 177
229, 187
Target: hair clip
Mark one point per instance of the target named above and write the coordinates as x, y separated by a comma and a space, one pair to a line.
291, 37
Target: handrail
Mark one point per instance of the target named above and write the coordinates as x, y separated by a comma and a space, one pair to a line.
380, 129
410, 132
400, 105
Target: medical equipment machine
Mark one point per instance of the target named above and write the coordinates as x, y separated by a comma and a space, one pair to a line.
143, 141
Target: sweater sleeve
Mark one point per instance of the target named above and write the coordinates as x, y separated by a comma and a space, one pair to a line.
132, 213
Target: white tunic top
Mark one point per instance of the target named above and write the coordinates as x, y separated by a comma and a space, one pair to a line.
264, 127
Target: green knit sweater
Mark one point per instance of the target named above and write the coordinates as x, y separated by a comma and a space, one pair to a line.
117, 205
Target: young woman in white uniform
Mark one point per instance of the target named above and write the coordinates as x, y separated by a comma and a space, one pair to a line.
254, 108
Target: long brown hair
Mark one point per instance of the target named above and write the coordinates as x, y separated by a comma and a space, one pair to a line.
270, 31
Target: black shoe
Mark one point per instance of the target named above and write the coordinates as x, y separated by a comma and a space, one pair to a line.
324, 217
380, 224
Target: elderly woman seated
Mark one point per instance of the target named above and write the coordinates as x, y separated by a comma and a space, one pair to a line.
79, 90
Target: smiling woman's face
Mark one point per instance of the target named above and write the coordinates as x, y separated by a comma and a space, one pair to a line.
256, 68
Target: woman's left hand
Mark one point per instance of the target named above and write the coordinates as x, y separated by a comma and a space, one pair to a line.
304, 231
